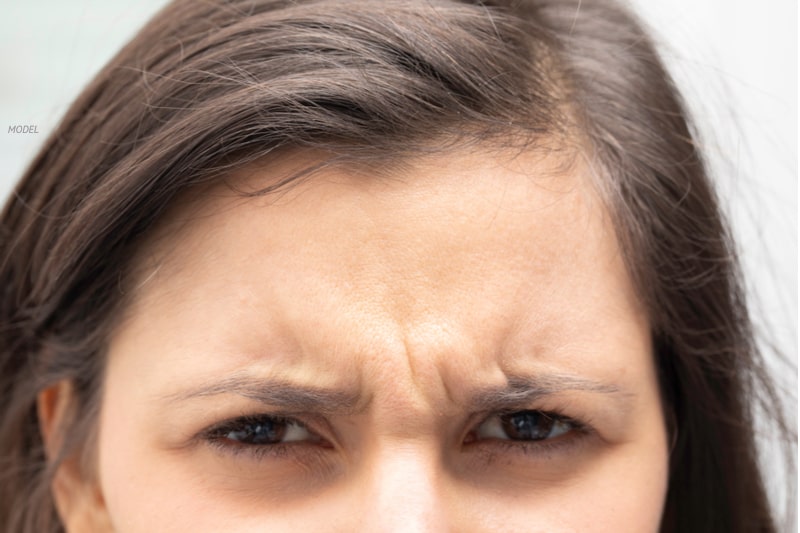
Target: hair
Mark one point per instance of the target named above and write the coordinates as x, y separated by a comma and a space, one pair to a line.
210, 86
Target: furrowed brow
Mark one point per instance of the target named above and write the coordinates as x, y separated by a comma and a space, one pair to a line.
278, 394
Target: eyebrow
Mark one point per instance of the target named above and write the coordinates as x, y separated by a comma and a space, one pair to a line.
522, 390
518, 392
280, 394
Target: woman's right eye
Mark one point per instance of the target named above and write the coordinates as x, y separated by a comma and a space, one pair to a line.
260, 431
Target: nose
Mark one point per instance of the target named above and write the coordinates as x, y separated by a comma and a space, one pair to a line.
403, 491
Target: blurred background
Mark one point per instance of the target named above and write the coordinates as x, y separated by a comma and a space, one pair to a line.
735, 61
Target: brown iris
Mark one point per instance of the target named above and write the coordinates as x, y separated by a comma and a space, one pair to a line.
527, 425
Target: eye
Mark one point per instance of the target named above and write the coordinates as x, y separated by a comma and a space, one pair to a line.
523, 426
260, 431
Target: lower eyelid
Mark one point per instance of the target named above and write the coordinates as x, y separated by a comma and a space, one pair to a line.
569, 442
489, 449
540, 455
297, 450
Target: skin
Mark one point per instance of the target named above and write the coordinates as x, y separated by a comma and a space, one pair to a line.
409, 302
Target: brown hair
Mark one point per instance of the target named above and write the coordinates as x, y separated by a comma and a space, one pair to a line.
209, 86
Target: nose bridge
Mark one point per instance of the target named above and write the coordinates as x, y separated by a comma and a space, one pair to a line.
403, 490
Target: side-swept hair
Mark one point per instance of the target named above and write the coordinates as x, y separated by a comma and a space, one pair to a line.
208, 86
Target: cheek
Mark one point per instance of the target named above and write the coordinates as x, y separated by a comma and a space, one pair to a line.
623, 492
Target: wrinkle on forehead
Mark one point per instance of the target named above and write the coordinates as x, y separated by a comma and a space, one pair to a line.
448, 260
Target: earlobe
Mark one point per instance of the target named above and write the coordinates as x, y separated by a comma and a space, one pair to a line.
77, 496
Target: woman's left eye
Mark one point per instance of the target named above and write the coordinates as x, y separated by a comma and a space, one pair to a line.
524, 426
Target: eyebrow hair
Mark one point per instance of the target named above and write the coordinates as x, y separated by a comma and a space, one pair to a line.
280, 394
521, 390
516, 393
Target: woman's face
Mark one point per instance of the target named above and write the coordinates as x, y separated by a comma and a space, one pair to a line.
454, 345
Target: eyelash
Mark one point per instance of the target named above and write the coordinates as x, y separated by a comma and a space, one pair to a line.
215, 436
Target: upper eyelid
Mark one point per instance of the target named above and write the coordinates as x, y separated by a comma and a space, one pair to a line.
243, 419
322, 428
579, 424
212, 432
560, 414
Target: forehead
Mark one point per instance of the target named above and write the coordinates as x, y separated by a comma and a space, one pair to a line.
516, 246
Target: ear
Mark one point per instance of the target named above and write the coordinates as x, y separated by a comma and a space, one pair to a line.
77, 495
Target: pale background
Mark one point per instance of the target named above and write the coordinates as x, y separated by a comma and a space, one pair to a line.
736, 61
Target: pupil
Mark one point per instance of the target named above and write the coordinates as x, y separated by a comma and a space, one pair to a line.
527, 425
261, 432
